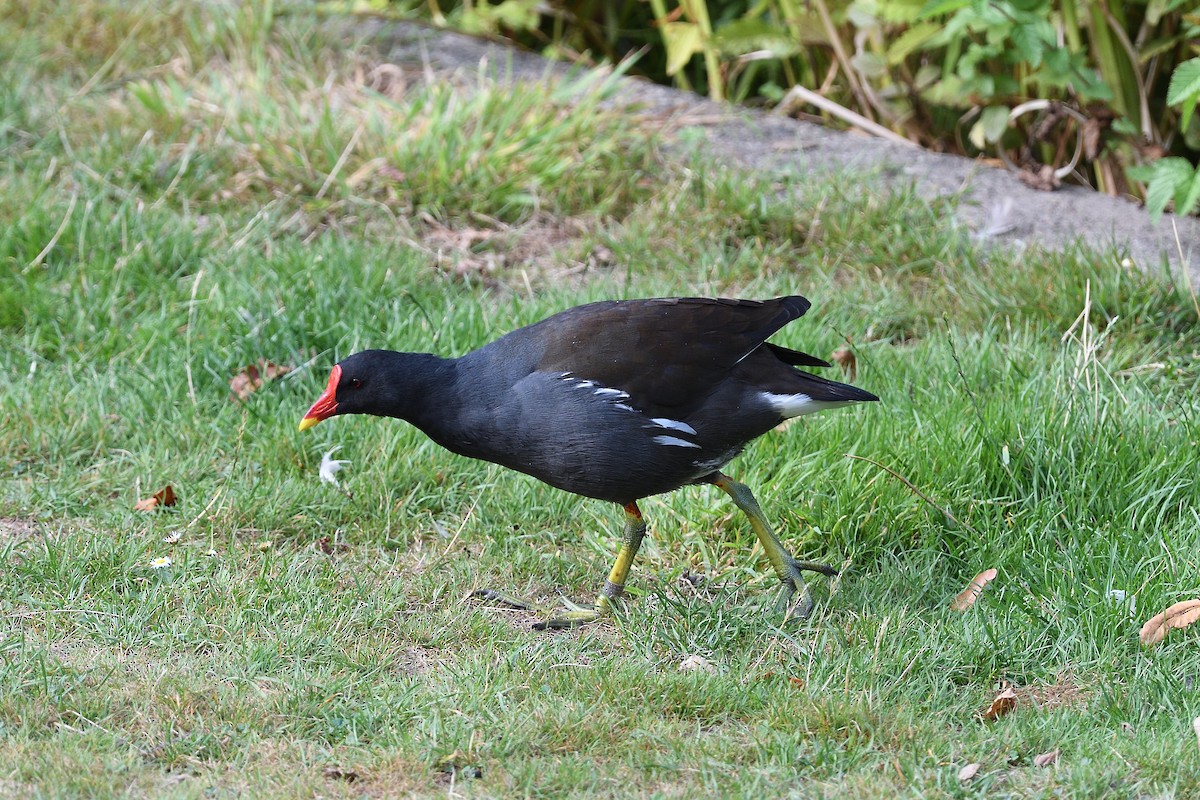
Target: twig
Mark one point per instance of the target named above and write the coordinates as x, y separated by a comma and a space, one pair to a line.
341, 162
187, 340
962, 377
841, 112
916, 491
1186, 267
57, 234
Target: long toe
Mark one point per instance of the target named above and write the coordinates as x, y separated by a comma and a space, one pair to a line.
815, 566
570, 618
504, 599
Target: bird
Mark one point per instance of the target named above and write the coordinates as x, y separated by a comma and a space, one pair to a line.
617, 400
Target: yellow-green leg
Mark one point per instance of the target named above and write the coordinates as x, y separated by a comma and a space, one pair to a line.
614, 587
787, 568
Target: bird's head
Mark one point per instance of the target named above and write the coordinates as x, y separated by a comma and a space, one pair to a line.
355, 387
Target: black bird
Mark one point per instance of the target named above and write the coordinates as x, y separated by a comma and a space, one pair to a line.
616, 400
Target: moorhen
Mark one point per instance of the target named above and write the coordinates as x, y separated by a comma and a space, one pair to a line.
616, 400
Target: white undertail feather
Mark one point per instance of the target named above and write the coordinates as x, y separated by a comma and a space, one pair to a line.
797, 405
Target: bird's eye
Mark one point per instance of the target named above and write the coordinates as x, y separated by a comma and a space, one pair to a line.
355, 383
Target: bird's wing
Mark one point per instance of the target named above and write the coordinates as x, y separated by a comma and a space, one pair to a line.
665, 352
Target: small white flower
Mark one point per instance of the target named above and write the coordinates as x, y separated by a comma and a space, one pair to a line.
211, 553
329, 466
162, 562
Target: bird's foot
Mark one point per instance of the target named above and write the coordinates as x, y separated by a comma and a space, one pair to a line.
568, 617
795, 598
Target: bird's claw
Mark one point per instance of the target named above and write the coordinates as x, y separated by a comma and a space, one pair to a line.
793, 584
571, 615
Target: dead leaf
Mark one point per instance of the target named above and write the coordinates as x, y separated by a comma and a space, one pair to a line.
341, 774
1092, 129
1179, 615
162, 498
245, 383
695, 663
967, 597
1046, 759
844, 358
272, 370
797, 681
969, 771
1044, 179
1005, 702
252, 377
328, 546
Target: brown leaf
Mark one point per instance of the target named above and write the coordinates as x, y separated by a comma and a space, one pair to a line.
162, 498
1046, 759
1005, 702
273, 370
967, 597
1179, 615
1091, 138
1043, 179
694, 663
252, 377
245, 383
328, 546
969, 771
341, 774
844, 358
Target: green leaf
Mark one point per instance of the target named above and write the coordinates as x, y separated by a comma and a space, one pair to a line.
1185, 82
911, 40
935, 8
871, 65
1185, 88
683, 40
1189, 200
995, 121
1169, 175
1028, 44
989, 127
1189, 106
750, 35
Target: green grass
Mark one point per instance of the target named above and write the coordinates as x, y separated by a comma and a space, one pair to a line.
187, 188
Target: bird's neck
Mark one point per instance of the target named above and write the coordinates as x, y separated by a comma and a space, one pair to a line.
421, 388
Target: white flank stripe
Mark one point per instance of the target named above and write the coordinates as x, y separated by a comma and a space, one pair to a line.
605, 391
671, 440
797, 405
624, 407
673, 424
584, 385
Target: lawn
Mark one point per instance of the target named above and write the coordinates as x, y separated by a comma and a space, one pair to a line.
187, 190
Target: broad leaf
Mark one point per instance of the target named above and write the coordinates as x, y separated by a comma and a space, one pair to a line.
935, 8
683, 40
911, 40
967, 597
1180, 615
1169, 175
1184, 89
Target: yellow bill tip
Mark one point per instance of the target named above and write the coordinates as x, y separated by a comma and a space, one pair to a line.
308, 422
